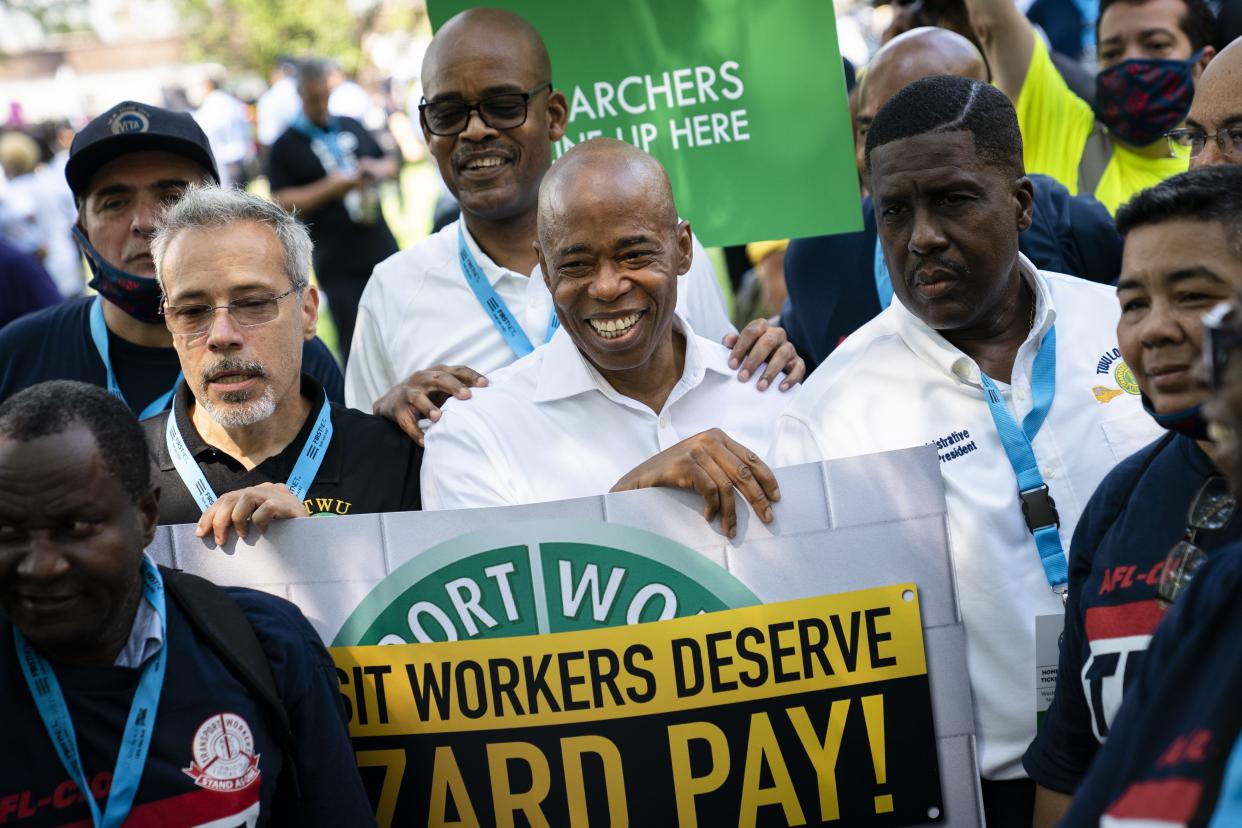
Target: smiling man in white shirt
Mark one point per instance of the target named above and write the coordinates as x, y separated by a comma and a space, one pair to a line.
472, 294
625, 395
979, 340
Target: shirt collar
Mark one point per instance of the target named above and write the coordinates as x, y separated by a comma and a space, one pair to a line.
146, 636
947, 358
282, 463
491, 270
565, 372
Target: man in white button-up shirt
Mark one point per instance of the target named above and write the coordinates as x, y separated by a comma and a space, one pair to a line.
490, 118
625, 395
945, 159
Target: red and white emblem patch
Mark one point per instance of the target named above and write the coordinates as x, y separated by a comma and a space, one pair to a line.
224, 757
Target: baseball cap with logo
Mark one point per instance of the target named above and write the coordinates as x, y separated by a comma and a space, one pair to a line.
135, 127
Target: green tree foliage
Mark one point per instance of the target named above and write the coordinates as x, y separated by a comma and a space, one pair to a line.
251, 34
53, 16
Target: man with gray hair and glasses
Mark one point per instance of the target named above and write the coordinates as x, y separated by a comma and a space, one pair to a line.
250, 437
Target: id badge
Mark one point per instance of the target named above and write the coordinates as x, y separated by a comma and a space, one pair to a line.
1048, 630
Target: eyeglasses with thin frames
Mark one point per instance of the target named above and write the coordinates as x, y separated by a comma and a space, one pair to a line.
193, 321
505, 110
1228, 141
1212, 508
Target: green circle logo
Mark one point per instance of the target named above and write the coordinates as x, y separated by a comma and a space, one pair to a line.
1125, 378
540, 577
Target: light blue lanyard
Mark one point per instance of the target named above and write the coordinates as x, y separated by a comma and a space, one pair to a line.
1037, 505
883, 283
99, 334
1229, 805
495, 307
299, 482
328, 137
41, 679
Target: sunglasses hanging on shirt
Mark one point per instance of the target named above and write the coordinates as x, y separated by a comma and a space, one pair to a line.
1211, 509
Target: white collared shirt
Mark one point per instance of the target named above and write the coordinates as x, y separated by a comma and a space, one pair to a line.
896, 383
418, 311
550, 427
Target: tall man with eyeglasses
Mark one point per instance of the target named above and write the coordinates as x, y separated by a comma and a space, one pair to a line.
470, 299
125, 167
1213, 130
1183, 257
328, 168
251, 438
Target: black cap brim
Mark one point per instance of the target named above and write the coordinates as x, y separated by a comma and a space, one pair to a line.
83, 164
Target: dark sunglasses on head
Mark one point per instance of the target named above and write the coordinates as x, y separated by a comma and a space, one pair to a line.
506, 110
1212, 509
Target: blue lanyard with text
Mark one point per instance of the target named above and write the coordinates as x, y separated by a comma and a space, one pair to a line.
1037, 505
328, 137
299, 482
99, 334
139, 726
495, 307
883, 282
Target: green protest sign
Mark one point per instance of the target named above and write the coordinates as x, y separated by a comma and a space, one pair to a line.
743, 103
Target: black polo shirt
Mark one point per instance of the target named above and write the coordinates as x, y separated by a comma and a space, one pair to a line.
370, 464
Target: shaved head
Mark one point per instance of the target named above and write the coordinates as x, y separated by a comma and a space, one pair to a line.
603, 170
916, 54
493, 172
1218, 103
482, 31
611, 248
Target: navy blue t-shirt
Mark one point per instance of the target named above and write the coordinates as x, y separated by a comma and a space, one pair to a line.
56, 344
1131, 522
1166, 753
25, 285
831, 279
211, 757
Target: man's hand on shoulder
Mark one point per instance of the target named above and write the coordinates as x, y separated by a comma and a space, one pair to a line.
712, 464
421, 394
761, 342
241, 508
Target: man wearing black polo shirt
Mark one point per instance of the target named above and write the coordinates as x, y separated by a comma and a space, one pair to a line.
124, 168
328, 168
250, 437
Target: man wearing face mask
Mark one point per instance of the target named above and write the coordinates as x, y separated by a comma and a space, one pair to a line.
124, 168
1151, 53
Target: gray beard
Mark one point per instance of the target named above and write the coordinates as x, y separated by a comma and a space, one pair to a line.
239, 413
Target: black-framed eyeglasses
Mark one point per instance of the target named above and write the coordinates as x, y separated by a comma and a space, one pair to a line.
1221, 338
506, 110
196, 320
1228, 140
1211, 509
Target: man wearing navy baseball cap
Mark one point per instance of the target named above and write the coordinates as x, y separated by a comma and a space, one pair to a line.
125, 167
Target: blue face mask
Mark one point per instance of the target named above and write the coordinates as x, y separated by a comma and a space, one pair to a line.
139, 296
1188, 421
1140, 100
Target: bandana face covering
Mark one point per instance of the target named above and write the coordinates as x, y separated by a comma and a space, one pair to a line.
1140, 100
139, 296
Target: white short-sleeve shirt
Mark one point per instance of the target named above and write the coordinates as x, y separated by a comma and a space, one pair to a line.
418, 311
550, 427
896, 383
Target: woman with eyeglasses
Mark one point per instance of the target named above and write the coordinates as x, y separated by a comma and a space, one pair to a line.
1162, 511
